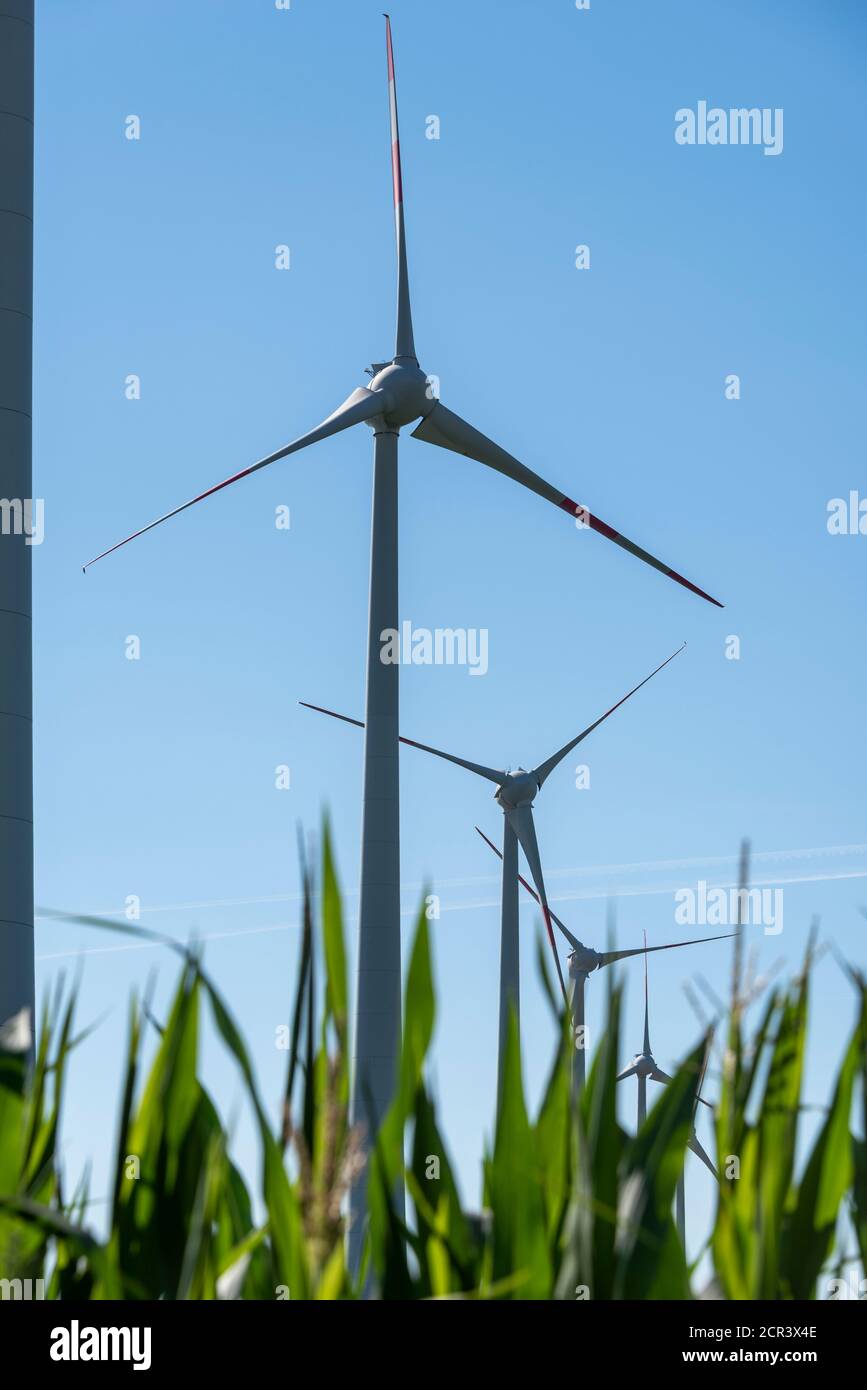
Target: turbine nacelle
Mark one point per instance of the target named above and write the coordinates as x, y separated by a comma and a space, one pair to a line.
519, 789
583, 960
644, 1065
405, 390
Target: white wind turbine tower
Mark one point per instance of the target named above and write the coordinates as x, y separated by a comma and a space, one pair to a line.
516, 793
583, 960
398, 395
644, 1066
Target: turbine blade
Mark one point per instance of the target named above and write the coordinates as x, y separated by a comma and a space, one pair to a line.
487, 772
573, 940
521, 820
608, 957
664, 1078
699, 1152
698, 1095
545, 769
359, 723
404, 345
627, 1071
449, 431
361, 405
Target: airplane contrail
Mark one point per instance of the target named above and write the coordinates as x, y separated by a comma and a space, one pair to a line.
583, 871
478, 904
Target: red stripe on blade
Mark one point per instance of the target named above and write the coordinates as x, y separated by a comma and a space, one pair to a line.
547, 917
576, 510
602, 527
672, 574
192, 502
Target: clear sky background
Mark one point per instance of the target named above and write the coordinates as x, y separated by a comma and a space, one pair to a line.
156, 777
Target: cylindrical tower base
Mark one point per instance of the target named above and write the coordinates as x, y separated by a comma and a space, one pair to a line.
377, 1001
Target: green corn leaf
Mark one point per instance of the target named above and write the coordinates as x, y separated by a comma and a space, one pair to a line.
810, 1227
650, 1260
332, 931
520, 1241
438, 1214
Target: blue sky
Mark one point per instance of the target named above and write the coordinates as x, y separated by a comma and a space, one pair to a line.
260, 127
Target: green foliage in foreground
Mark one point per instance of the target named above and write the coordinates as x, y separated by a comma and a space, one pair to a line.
571, 1200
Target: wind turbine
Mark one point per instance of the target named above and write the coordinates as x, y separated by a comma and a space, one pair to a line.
515, 795
583, 960
644, 1066
398, 395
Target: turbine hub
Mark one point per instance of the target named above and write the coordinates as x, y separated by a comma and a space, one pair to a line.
519, 789
407, 394
644, 1064
583, 960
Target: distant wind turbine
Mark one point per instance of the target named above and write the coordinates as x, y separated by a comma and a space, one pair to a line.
583, 960
399, 394
515, 795
644, 1066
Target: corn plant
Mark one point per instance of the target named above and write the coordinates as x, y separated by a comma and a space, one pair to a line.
573, 1205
